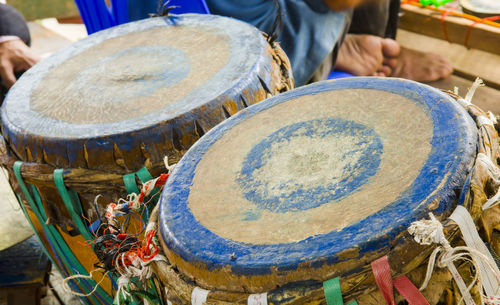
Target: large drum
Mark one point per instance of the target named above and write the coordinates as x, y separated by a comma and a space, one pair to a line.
314, 184
100, 116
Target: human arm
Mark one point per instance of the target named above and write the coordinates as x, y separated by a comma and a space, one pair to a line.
12, 23
15, 55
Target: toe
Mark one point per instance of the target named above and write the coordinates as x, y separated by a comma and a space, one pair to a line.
386, 70
446, 70
443, 67
390, 47
390, 62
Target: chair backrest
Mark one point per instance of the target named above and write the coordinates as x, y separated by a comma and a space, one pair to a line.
334, 74
98, 16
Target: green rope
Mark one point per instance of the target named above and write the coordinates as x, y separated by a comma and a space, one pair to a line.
333, 294
60, 267
60, 245
34, 230
73, 205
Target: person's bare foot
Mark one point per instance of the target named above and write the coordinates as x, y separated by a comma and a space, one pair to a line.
420, 66
367, 55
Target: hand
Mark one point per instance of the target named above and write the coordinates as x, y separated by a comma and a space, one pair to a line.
15, 56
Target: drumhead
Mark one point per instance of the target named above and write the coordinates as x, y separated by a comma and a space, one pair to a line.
482, 7
314, 183
134, 86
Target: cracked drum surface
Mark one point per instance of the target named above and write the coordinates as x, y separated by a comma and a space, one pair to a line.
139, 91
315, 183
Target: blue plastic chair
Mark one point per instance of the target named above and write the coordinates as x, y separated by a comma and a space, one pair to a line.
96, 15
338, 74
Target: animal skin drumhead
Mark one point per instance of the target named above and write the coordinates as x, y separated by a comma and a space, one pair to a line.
314, 181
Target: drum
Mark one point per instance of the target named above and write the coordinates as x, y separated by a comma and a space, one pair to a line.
481, 8
98, 118
318, 183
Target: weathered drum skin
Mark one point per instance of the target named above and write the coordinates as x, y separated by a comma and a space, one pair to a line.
131, 93
123, 99
313, 184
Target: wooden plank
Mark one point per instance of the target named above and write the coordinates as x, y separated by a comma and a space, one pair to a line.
70, 20
72, 32
44, 41
25, 295
468, 63
485, 97
428, 22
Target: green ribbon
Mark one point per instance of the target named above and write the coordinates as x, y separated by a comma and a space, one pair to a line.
144, 175
154, 290
130, 185
60, 246
333, 294
73, 204
34, 230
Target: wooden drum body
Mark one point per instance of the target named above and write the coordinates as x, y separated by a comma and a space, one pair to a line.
111, 107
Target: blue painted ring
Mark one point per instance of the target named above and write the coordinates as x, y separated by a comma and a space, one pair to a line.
189, 218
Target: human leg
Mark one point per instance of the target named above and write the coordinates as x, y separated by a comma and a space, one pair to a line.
363, 55
370, 48
373, 19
